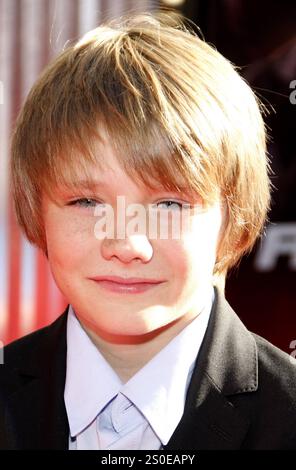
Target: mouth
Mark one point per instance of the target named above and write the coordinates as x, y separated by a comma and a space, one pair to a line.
126, 285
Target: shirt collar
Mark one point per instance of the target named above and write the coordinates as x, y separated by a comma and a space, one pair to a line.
158, 389
90, 381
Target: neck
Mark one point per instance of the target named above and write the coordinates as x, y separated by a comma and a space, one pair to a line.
128, 354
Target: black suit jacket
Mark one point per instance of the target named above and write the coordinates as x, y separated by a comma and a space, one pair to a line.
242, 394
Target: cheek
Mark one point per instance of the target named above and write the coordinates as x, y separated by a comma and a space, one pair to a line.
178, 263
194, 255
67, 242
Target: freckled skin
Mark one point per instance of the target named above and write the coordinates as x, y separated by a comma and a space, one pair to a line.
186, 265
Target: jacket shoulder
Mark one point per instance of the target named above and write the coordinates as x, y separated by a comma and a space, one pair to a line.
273, 362
24, 352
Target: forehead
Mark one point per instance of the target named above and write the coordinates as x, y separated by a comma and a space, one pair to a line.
108, 167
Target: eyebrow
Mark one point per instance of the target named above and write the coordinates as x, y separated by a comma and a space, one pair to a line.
87, 184
91, 184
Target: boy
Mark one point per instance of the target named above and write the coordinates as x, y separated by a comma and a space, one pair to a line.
148, 354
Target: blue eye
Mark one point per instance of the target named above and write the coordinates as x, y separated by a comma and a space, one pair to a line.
173, 205
84, 202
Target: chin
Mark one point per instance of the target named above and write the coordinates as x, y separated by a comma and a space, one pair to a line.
134, 331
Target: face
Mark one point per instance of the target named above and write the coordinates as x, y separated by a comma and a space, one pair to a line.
179, 268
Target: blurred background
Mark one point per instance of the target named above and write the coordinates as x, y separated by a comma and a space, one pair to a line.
260, 37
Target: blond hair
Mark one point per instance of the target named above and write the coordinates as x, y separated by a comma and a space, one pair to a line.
177, 112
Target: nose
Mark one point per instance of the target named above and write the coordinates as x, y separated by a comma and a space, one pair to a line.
133, 247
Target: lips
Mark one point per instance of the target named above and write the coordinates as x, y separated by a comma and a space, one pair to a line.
129, 280
131, 285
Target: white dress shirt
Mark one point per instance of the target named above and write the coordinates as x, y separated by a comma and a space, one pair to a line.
104, 413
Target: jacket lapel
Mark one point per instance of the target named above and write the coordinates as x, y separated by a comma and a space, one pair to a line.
226, 366
35, 413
